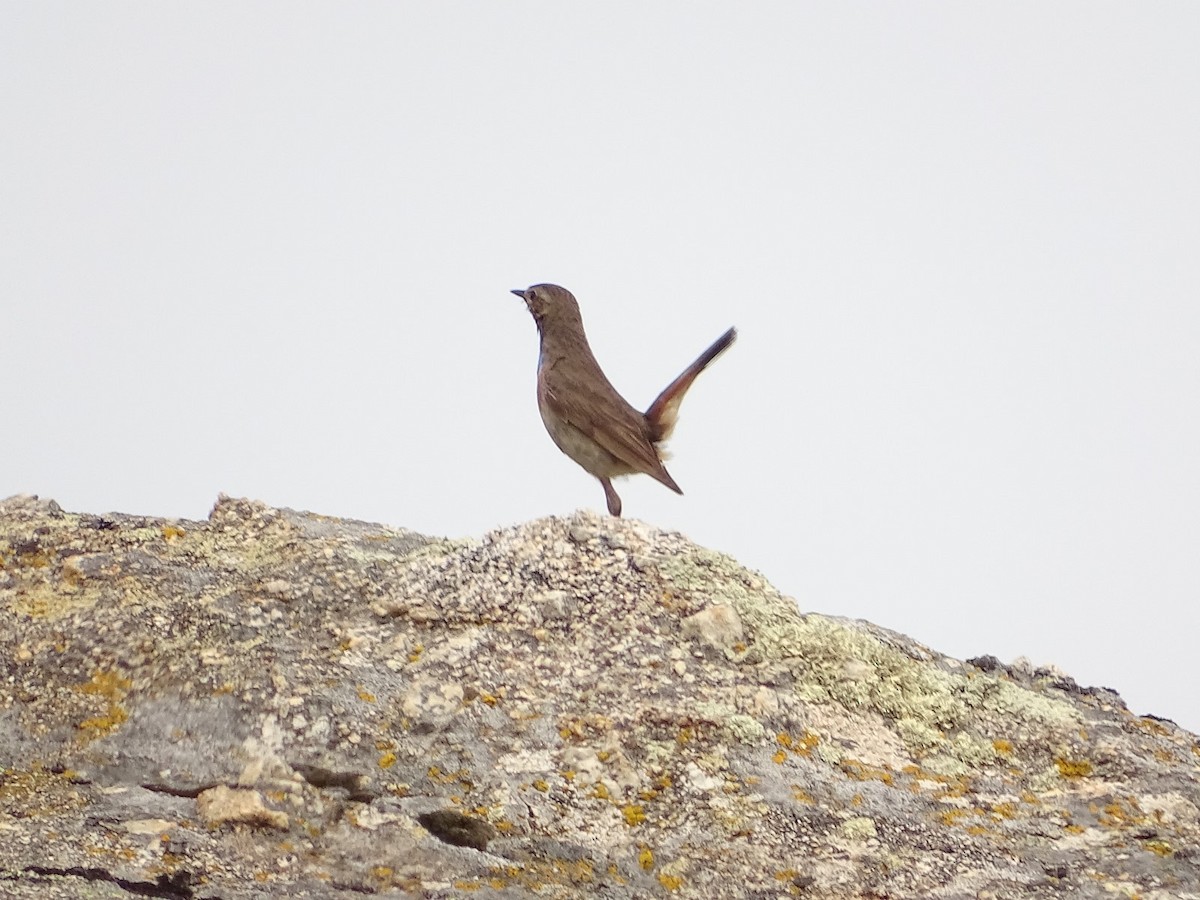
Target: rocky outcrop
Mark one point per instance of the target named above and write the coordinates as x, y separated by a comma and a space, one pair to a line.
274, 703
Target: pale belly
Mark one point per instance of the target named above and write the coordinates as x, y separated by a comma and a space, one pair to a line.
581, 448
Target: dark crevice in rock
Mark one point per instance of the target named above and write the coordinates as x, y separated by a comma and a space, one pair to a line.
176, 886
189, 792
354, 783
327, 778
453, 827
355, 887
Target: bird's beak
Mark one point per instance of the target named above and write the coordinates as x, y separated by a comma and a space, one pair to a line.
520, 294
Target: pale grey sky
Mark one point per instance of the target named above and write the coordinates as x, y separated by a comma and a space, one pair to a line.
267, 248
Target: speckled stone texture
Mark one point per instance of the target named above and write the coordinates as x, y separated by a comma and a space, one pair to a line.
274, 703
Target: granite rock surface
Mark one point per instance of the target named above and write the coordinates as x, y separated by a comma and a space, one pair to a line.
276, 703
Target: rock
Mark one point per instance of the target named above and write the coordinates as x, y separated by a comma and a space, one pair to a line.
221, 805
277, 703
717, 626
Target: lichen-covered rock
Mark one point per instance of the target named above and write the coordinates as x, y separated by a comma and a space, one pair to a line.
274, 703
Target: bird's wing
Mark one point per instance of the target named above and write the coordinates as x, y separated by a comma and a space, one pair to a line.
593, 406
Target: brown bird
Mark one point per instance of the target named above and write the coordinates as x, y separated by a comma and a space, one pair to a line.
586, 417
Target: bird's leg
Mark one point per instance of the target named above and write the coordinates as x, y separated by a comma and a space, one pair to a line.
614, 502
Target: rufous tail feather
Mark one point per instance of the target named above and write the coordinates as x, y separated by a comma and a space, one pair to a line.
664, 411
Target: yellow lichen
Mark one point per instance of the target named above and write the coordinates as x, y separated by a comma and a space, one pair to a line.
109, 685
112, 688
387, 760
860, 771
34, 559
953, 816
106, 723
633, 814
1073, 768
808, 743
646, 859
1117, 814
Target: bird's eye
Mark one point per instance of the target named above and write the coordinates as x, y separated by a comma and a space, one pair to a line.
532, 294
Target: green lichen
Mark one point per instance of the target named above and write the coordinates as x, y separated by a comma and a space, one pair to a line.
1010, 701
945, 765
860, 828
919, 735
971, 749
746, 729
934, 711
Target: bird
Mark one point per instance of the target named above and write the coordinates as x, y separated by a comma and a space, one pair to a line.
585, 415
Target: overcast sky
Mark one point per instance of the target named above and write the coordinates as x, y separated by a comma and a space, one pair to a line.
267, 248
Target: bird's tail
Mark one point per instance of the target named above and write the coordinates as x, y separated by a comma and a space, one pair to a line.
664, 411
